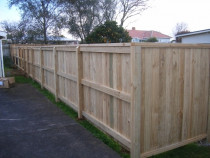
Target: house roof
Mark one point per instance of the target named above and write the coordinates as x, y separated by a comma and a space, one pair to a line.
194, 33
142, 34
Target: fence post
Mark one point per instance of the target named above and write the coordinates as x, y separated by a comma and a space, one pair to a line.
32, 64
208, 116
18, 59
24, 60
21, 58
79, 85
11, 52
28, 64
55, 54
41, 69
135, 100
15, 55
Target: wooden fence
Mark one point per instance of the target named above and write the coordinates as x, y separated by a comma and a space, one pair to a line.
150, 97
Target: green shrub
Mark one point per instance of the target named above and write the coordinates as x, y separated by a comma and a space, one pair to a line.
8, 62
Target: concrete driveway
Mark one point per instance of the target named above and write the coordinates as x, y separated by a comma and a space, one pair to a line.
32, 127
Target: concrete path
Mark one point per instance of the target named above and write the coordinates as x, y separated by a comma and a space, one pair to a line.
32, 127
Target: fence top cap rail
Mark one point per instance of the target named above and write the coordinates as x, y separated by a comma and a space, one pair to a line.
171, 45
144, 44
31, 45
58, 46
106, 45
49, 47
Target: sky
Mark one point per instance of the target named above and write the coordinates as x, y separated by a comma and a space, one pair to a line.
162, 15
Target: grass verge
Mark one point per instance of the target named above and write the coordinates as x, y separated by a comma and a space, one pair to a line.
189, 151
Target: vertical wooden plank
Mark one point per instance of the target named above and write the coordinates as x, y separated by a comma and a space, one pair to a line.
41, 68
79, 85
143, 81
15, 54
208, 124
135, 100
162, 97
24, 60
18, 59
111, 105
146, 94
204, 89
55, 73
28, 64
32, 64
21, 59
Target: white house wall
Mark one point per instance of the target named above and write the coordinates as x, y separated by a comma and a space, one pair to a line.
160, 40
200, 38
163, 40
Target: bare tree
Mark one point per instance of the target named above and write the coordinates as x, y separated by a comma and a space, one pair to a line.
20, 32
15, 31
129, 8
82, 16
107, 10
42, 15
181, 28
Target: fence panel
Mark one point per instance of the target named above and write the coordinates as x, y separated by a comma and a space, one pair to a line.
150, 97
174, 97
67, 90
106, 78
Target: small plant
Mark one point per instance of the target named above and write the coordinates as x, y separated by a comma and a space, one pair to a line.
109, 32
152, 39
8, 62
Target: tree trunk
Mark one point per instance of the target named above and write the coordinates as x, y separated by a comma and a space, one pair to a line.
45, 32
44, 22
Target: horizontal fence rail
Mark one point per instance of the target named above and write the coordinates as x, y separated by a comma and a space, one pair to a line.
149, 97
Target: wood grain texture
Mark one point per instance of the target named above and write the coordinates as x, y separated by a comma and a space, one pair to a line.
150, 97
79, 85
55, 73
41, 67
174, 95
135, 101
208, 123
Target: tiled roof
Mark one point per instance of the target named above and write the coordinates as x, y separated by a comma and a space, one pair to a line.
146, 34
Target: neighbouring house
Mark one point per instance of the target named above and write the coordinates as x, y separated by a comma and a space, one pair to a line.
57, 40
202, 36
142, 36
61, 40
39, 39
3, 35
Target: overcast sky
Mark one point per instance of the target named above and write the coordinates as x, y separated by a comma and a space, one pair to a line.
162, 15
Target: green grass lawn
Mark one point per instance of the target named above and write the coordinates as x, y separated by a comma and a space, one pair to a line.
188, 151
